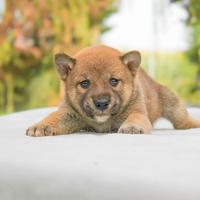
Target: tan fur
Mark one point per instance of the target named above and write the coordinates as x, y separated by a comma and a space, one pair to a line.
135, 103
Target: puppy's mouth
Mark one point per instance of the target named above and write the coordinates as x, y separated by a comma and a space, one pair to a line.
100, 116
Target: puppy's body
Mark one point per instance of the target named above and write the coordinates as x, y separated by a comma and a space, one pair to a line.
106, 91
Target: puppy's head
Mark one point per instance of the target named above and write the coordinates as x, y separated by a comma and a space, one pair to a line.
99, 80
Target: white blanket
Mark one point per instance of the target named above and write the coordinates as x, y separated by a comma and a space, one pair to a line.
87, 166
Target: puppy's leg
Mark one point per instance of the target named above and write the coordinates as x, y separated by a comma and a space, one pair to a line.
175, 111
136, 123
59, 122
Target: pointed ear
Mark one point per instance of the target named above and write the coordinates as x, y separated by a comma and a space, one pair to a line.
132, 59
64, 64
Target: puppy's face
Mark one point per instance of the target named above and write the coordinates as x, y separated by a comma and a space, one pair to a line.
99, 81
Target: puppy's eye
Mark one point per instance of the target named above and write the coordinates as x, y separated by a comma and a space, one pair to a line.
85, 84
114, 82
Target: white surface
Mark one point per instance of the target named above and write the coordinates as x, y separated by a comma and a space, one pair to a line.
161, 166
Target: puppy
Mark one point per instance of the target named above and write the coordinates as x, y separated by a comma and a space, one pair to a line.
106, 91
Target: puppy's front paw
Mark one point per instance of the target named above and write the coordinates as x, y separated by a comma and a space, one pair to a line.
41, 129
132, 129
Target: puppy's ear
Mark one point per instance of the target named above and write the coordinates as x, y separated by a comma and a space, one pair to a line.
64, 64
132, 59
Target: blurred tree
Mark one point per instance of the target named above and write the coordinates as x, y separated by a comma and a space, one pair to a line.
30, 33
193, 21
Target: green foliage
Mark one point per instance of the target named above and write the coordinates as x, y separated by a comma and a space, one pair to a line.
193, 21
177, 72
44, 94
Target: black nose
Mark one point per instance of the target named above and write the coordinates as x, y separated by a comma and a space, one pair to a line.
101, 104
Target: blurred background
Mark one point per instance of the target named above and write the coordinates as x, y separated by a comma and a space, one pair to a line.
167, 32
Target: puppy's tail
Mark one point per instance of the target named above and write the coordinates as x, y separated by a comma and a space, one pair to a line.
174, 110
